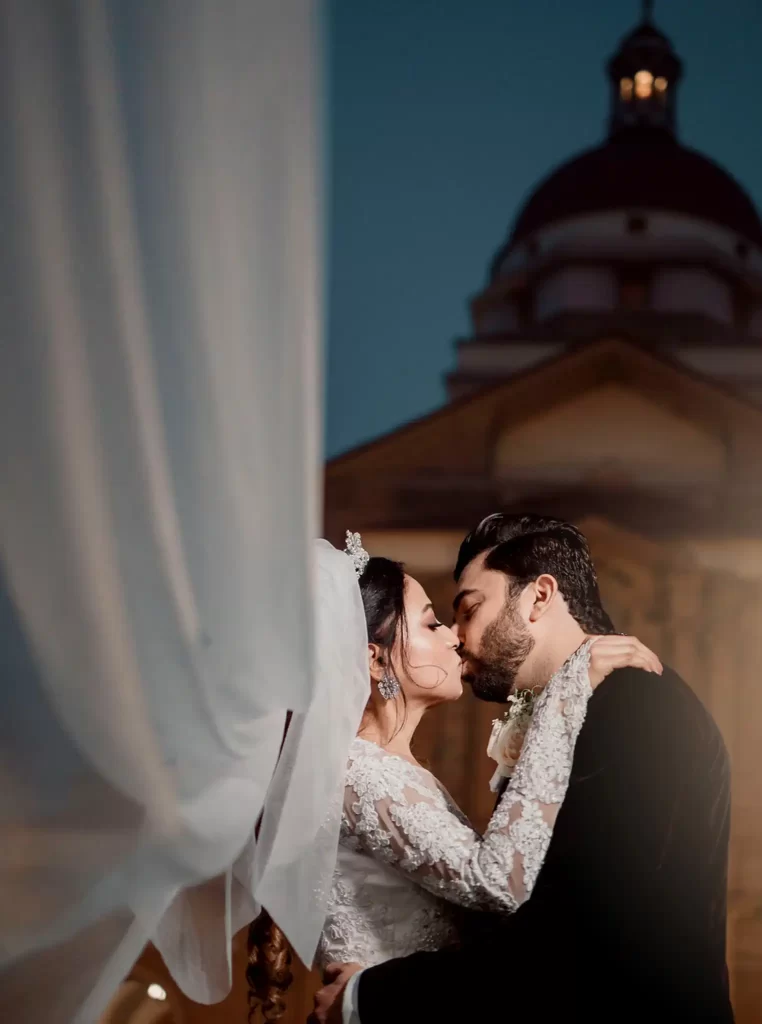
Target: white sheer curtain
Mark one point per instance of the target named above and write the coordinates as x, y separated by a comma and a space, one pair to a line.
159, 436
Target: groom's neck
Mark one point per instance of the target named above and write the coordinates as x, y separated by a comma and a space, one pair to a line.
550, 654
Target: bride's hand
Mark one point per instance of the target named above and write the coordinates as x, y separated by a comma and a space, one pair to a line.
611, 652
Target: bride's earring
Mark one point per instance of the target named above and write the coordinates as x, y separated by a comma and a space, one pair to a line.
388, 686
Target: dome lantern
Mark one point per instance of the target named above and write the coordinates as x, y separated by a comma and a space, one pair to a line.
644, 74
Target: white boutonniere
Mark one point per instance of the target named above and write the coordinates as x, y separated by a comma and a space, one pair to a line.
507, 737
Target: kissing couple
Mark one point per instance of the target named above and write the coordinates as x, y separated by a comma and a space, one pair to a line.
598, 891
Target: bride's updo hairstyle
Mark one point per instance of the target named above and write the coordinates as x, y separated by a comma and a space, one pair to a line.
382, 586
268, 971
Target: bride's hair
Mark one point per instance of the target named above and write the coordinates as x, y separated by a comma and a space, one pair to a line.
268, 970
382, 586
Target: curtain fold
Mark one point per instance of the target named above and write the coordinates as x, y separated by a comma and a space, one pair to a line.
159, 444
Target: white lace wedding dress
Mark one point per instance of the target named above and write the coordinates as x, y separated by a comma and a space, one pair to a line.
408, 857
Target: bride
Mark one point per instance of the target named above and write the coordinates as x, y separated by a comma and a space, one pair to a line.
410, 865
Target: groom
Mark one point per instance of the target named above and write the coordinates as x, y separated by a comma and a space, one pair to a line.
627, 919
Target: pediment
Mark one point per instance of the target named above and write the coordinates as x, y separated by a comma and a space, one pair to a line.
611, 434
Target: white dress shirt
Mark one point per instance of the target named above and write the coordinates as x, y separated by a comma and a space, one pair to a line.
350, 1013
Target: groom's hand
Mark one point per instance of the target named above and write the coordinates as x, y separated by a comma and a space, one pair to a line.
328, 999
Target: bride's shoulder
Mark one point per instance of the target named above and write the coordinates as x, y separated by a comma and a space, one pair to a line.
364, 748
363, 752
368, 761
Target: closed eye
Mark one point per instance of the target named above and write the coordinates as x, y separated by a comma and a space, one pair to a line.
436, 625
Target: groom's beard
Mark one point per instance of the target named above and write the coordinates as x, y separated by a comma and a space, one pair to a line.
506, 645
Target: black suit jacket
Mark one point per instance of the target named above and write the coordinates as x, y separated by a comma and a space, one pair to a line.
627, 919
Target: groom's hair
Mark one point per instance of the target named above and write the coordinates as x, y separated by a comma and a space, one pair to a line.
524, 547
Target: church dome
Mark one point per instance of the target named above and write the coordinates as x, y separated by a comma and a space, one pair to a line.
641, 165
640, 237
640, 169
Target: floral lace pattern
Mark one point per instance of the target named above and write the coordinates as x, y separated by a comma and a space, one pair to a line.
373, 918
406, 851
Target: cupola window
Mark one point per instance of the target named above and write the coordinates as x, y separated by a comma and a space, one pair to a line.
625, 89
644, 84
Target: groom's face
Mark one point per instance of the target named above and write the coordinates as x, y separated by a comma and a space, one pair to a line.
494, 636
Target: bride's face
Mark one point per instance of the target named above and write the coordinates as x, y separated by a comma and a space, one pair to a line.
430, 669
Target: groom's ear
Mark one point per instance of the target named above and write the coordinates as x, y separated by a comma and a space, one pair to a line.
544, 591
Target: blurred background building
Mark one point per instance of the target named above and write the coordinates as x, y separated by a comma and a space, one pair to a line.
613, 376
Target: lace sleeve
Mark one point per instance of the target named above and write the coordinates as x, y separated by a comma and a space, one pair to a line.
399, 814
520, 830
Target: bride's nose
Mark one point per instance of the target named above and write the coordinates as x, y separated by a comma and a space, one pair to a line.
452, 640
